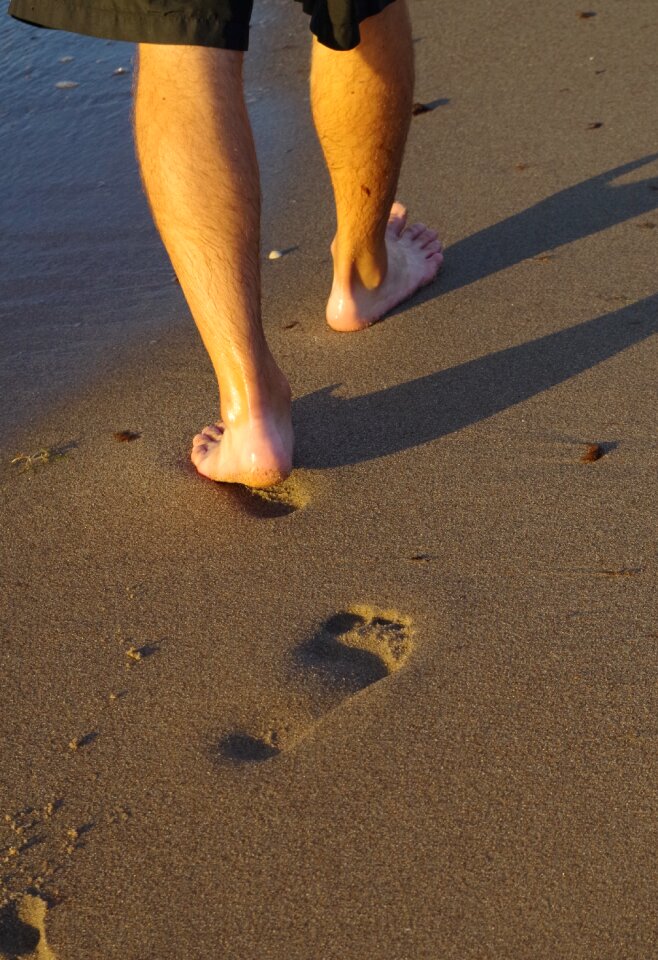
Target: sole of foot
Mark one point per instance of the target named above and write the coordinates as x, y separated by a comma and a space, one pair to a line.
415, 256
257, 454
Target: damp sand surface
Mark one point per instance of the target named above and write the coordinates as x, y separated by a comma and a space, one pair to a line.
403, 706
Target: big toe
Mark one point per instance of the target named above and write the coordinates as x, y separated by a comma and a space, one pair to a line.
398, 218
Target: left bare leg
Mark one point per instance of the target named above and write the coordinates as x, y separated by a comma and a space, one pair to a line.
200, 173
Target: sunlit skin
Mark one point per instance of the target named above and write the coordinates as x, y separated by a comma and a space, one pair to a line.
199, 168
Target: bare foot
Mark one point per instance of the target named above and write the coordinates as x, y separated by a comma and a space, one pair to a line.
415, 255
251, 448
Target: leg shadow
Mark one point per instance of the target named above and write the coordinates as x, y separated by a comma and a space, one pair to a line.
579, 211
335, 431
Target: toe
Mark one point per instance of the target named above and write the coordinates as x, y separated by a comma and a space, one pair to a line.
197, 439
426, 237
398, 218
433, 247
414, 231
199, 451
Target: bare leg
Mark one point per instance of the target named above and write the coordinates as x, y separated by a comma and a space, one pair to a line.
199, 168
362, 103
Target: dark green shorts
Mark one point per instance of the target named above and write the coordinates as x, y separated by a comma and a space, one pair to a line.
205, 23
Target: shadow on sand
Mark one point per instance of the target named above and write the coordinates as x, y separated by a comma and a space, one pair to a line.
335, 431
579, 211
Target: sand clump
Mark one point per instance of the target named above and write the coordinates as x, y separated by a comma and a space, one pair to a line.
23, 930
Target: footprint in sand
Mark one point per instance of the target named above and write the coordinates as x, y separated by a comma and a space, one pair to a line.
279, 501
351, 651
23, 930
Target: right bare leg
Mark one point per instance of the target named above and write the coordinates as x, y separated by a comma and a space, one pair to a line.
362, 103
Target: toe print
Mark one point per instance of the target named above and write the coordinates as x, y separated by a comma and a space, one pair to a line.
361, 646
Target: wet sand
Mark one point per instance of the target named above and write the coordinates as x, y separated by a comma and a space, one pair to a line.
405, 707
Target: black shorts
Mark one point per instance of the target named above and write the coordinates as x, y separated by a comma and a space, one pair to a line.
204, 23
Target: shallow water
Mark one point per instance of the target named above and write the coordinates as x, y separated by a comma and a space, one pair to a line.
83, 270
70, 192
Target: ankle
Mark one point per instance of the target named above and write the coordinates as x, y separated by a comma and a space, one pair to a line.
254, 394
364, 265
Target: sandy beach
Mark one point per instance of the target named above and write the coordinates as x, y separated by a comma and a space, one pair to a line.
404, 706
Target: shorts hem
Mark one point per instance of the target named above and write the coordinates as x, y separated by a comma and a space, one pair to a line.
341, 32
172, 29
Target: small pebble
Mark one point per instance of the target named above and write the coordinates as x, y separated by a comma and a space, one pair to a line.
593, 453
595, 126
65, 59
66, 84
119, 70
274, 255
